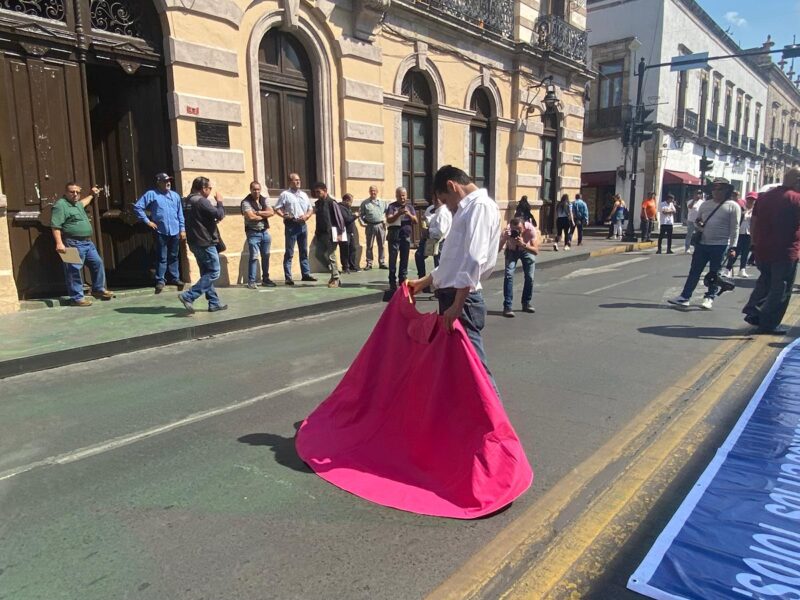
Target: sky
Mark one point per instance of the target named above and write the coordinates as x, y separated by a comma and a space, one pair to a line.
750, 21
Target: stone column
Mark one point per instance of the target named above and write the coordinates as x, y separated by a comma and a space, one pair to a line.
8, 287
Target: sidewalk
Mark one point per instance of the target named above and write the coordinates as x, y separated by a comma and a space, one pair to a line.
46, 335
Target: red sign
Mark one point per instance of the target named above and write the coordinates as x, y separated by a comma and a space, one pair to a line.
193, 110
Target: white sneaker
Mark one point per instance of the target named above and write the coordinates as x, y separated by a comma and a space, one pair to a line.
690, 250
567, 248
743, 274
725, 273
555, 247
679, 301
707, 304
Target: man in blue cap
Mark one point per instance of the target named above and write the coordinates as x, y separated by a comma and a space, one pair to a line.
165, 218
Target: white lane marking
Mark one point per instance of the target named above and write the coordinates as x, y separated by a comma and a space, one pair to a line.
603, 269
86, 452
608, 287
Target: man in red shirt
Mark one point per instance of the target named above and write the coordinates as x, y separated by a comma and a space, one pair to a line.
775, 233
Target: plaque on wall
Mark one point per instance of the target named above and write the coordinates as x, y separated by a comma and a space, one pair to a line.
212, 134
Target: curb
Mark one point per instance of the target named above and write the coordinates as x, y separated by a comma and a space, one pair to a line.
61, 358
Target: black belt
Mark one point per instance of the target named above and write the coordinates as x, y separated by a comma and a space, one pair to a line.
79, 239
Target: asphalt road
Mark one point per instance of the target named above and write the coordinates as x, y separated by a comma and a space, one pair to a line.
171, 473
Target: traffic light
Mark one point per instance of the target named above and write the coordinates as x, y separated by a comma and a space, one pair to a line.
792, 51
706, 165
644, 129
627, 134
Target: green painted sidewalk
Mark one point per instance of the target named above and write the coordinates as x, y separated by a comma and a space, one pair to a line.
43, 337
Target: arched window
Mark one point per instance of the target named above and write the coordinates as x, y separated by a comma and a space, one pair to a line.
416, 136
480, 139
287, 109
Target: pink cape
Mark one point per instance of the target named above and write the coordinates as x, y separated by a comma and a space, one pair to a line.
415, 423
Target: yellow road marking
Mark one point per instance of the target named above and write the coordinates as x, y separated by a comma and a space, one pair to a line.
508, 549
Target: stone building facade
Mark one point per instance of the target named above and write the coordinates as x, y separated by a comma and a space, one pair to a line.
349, 92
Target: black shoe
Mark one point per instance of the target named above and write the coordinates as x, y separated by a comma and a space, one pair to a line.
308, 278
779, 330
159, 288
186, 304
218, 308
670, 252
527, 308
346, 271
268, 283
178, 284
368, 268
384, 267
252, 286
507, 312
658, 251
289, 282
354, 269
751, 319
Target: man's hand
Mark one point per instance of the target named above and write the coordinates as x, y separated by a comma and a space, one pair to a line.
183, 235
61, 248
417, 285
451, 315
732, 252
95, 190
152, 226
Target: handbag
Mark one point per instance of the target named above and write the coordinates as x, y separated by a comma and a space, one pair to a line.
220, 245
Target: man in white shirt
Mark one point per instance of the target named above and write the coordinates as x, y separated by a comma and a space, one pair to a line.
694, 212
469, 254
295, 209
666, 219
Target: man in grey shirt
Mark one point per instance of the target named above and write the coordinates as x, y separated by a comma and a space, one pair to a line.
370, 215
718, 220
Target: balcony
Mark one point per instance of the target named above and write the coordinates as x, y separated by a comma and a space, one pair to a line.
496, 16
752, 145
777, 144
688, 121
735, 139
763, 151
554, 34
722, 134
606, 121
711, 129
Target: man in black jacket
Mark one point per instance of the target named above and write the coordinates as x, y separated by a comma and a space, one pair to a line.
205, 243
330, 228
347, 250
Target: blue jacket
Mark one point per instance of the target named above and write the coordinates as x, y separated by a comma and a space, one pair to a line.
165, 209
581, 210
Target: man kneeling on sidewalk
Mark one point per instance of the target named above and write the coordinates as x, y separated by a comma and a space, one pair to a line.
521, 243
72, 229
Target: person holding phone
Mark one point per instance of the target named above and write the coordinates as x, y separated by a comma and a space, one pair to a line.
400, 216
521, 241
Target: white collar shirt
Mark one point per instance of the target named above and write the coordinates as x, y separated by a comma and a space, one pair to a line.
293, 204
440, 223
472, 244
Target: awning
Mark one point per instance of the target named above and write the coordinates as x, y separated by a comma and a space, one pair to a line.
680, 178
598, 178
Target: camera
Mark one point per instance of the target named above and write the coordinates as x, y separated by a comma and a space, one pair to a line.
514, 233
725, 284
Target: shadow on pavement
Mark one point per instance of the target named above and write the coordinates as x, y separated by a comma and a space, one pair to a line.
153, 310
634, 305
703, 333
282, 447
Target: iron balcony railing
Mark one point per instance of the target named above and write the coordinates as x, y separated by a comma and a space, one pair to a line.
554, 34
711, 130
607, 119
688, 120
496, 16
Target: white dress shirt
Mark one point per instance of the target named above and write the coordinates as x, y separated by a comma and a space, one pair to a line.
440, 223
293, 204
667, 213
472, 244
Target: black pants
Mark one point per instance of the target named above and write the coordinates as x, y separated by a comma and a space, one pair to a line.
399, 247
563, 224
770, 298
665, 230
646, 226
742, 252
347, 254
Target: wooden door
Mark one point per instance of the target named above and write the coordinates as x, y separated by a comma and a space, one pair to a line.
129, 145
44, 146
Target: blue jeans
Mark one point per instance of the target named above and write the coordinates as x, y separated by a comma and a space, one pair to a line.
704, 255
167, 248
258, 243
399, 247
473, 318
208, 261
296, 233
419, 256
528, 266
72, 273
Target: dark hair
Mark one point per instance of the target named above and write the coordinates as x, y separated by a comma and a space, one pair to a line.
347, 197
515, 221
252, 183
449, 173
578, 196
319, 186
71, 183
564, 198
199, 183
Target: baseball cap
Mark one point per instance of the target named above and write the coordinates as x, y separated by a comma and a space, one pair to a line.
720, 181
163, 177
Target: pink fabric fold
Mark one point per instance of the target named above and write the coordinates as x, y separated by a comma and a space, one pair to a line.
416, 425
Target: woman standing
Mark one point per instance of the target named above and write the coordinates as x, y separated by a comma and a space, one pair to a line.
564, 222
743, 244
618, 216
